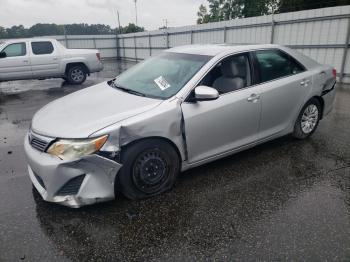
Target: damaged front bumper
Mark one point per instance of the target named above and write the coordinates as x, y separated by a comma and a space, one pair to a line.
75, 183
328, 96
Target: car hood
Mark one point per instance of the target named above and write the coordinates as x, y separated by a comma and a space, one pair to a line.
84, 112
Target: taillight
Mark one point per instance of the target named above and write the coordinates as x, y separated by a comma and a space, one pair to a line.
98, 56
334, 72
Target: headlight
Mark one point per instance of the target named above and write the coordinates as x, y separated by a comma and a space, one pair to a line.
75, 148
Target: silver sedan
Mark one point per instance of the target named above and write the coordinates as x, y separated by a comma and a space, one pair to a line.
185, 107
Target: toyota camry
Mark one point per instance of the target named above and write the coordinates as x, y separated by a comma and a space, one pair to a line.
183, 108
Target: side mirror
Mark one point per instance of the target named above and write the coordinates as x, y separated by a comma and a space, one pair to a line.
205, 93
3, 55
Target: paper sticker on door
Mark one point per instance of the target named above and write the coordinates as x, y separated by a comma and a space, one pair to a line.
162, 83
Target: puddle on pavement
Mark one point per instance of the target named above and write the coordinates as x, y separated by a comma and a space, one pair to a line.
111, 70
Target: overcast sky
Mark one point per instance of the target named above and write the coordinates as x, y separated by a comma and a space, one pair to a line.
151, 13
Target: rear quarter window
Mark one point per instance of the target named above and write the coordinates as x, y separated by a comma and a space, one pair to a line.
42, 48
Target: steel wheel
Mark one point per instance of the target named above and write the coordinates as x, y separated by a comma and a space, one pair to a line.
309, 119
150, 167
151, 171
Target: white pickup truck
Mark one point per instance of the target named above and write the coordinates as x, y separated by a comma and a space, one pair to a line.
41, 58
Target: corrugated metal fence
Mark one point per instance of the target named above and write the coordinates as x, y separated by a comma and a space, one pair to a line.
322, 34
107, 44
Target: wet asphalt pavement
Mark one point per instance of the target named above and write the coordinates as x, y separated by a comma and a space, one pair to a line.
284, 200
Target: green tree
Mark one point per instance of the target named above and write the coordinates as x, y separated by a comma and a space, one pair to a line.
252, 8
297, 5
216, 9
132, 28
17, 31
203, 15
3, 33
230, 9
45, 30
70, 29
220, 10
86, 29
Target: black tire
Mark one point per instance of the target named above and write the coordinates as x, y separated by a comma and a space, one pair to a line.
300, 132
150, 167
76, 75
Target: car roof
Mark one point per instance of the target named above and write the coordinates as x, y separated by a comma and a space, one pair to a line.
225, 49
216, 49
26, 39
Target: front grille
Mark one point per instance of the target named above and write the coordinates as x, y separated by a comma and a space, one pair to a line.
72, 186
38, 143
39, 179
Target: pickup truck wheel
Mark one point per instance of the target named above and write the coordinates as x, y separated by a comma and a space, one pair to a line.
76, 75
150, 167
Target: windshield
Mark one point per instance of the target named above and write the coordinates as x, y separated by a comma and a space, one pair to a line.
161, 76
2, 44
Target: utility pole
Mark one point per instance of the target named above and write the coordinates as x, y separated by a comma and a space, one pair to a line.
120, 29
166, 22
136, 10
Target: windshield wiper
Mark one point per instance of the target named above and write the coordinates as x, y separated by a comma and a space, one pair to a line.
130, 91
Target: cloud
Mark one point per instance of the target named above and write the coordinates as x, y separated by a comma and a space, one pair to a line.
103, 4
150, 12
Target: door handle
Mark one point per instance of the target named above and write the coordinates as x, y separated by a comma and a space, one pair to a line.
55, 59
253, 98
305, 82
25, 61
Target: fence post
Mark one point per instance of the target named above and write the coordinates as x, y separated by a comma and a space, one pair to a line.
149, 44
118, 49
135, 47
167, 40
191, 40
273, 23
225, 29
94, 39
66, 39
124, 47
345, 54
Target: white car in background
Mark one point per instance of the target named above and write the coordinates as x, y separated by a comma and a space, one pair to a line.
41, 58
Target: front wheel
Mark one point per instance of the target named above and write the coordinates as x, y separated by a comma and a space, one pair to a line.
308, 119
150, 167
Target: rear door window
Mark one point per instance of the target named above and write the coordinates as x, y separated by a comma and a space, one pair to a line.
42, 48
274, 64
17, 49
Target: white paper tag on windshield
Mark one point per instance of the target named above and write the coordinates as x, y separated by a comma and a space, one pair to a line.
162, 83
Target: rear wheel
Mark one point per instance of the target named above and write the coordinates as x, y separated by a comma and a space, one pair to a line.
150, 167
76, 75
308, 119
